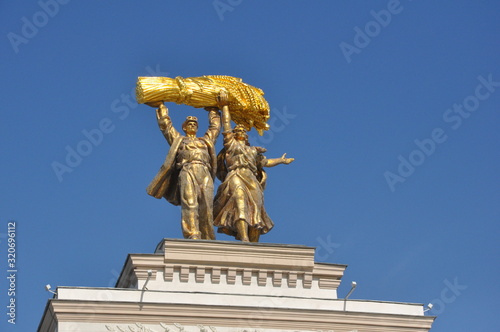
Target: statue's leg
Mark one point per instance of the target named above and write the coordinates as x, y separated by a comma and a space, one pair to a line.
206, 208
241, 223
242, 228
189, 206
253, 234
240, 202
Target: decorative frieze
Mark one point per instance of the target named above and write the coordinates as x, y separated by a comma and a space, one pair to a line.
200, 274
231, 276
307, 280
246, 277
262, 278
168, 273
205, 262
292, 279
277, 278
215, 275
184, 274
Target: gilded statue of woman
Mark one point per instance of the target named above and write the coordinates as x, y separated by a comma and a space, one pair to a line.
239, 203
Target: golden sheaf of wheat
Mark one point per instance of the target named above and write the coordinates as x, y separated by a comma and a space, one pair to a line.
246, 103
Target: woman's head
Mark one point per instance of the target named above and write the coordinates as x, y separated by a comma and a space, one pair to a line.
240, 133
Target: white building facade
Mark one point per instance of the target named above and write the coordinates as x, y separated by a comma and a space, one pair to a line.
193, 285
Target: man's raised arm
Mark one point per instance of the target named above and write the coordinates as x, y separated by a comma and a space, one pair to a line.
165, 124
213, 123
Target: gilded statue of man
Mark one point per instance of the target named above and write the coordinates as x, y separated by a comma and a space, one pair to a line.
186, 178
239, 203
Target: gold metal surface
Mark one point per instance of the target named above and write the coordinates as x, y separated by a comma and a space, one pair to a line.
239, 203
246, 103
186, 178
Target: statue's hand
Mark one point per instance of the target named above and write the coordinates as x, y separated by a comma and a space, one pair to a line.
211, 108
285, 160
161, 112
223, 98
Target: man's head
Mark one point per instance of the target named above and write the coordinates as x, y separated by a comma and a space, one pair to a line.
190, 126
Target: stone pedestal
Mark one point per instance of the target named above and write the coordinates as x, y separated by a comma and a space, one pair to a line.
193, 285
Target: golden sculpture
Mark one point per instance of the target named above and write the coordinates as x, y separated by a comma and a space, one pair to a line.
186, 177
247, 104
239, 203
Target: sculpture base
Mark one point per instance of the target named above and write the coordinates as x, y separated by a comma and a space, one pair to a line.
193, 285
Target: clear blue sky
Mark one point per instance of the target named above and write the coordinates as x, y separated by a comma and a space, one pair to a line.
390, 109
